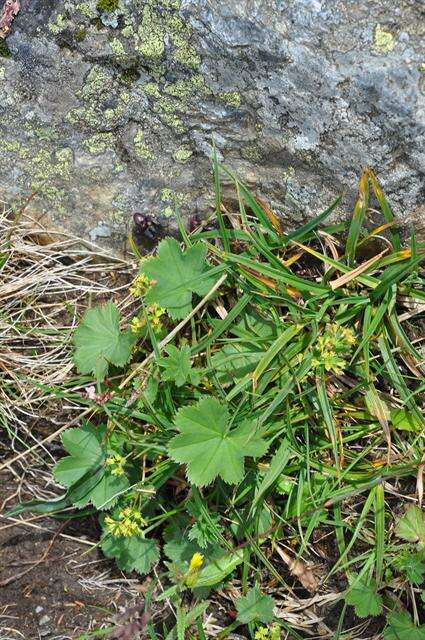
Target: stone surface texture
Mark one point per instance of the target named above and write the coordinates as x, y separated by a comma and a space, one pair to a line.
110, 106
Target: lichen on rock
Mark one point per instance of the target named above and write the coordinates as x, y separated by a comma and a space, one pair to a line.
142, 149
182, 155
384, 41
99, 143
135, 90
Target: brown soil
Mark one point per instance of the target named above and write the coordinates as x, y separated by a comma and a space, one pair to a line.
63, 596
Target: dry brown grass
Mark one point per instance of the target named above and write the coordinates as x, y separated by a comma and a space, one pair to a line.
47, 280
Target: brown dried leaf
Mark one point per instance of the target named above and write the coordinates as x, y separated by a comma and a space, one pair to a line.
300, 570
351, 275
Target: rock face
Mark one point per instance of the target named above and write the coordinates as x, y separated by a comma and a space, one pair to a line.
110, 106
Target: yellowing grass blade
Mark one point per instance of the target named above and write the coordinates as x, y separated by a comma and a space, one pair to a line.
369, 281
379, 409
357, 220
272, 217
293, 258
385, 207
354, 273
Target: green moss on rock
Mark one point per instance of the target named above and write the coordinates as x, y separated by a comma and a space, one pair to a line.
80, 35
107, 6
130, 75
4, 49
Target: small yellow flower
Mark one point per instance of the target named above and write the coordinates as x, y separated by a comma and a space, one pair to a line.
196, 561
154, 313
117, 463
348, 335
137, 324
191, 577
139, 286
129, 523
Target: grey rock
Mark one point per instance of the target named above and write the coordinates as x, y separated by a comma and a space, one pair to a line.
104, 117
44, 620
39, 609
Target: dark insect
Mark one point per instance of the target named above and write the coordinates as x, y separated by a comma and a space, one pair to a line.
194, 222
141, 221
146, 231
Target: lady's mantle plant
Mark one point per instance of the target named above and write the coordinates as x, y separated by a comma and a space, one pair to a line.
267, 390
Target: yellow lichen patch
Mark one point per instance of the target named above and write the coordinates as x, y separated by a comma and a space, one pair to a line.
151, 35
142, 150
152, 89
182, 155
185, 53
118, 48
98, 143
97, 94
47, 170
166, 110
383, 41
87, 10
232, 98
59, 25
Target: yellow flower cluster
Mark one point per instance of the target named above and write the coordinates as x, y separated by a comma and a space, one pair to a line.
137, 324
332, 346
268, 633
154, 313
140, 285
117, 462
129, 523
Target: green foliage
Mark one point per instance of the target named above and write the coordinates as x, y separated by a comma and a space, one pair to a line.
99, 341
177, 367
207, 528
205, 427
177, 276
86, 454
255, 607
131, 554
365, 599
304, 406
400, 627
87, 459
412, 564
218, 569
178, 547
411, 526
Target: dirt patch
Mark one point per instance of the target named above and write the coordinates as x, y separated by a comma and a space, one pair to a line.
71, 591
